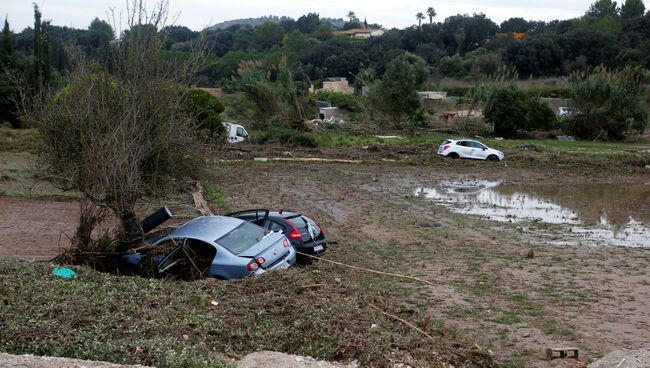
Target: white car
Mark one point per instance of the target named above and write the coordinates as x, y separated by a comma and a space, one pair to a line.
235, 133
466, 148
566, 111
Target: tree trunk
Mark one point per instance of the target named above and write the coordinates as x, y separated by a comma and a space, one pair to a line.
131, 230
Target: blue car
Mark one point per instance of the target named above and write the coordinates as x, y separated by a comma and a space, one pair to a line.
220, 247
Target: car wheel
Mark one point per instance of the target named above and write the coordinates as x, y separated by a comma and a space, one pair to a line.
453, 155
493, 158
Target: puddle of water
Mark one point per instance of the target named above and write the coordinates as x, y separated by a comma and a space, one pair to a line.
595, 213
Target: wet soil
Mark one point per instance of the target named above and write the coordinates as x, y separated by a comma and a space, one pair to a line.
516, 291
36, 228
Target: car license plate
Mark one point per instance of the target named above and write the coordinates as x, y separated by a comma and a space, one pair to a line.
283, 266
318, 248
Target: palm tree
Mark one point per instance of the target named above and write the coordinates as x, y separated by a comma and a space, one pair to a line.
419, 16
352, 16
431, 12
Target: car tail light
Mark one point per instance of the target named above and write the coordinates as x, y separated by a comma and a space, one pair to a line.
444, 148
253, 266
295, 234
286, 243
321, 228
260, 260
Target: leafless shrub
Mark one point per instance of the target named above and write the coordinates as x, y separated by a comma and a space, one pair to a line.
119, 132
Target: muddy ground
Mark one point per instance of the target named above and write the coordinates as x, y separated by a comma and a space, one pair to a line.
36, 229
590, 297
512, 291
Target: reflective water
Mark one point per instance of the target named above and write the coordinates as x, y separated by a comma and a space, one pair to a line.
612, 214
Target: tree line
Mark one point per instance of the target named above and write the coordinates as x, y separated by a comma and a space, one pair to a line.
309, 49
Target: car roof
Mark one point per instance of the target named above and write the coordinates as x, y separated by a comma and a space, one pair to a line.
464, 140
207, 228
283, 214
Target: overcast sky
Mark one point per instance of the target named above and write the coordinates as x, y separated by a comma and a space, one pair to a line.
197, 14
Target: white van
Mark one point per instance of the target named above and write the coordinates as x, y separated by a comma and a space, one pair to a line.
235, 133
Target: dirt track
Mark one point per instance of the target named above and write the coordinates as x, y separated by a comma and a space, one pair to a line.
35, 228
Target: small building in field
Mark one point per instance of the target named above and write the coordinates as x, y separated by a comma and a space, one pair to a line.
326, 113
339, 85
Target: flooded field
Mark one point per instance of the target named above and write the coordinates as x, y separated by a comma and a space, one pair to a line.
590, 214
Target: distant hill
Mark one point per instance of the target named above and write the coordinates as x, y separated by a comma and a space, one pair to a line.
249, 21
338, 23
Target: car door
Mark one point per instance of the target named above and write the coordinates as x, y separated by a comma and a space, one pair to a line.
240, 135
259, 217
479, 151
465, 150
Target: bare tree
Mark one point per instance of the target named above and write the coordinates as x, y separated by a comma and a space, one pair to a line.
119, 132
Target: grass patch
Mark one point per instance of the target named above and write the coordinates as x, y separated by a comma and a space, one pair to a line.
216, 196
552, 328
508, 318
98, 316
19, 140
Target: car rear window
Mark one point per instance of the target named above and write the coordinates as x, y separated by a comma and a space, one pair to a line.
299, 222
445, 142
242, 238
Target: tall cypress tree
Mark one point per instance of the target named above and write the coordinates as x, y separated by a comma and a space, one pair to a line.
38, 55
8, 92
45, 52
7, 47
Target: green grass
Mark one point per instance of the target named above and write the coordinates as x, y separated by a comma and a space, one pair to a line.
19, 140
508, 318
216, 196
98, 316
18, 178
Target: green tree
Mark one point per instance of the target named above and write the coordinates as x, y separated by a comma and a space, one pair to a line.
431, 12
38, 51
8, 91
100, 34
308, 23
269, 34
397, 91
632, 9
602, 8
297, 43
513, 25
205, 108
611, 104
7, 47
351, 16
507, 111
539, 116
420, 17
